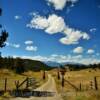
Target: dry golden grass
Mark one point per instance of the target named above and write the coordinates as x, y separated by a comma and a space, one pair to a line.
75, 78
85, 77
67, 92
12, 77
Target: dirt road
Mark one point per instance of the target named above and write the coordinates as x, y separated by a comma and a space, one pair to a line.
47, 91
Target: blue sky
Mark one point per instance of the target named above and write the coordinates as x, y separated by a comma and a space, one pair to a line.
52, 30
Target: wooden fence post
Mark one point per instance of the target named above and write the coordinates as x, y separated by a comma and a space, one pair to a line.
44, 75
80, 86
58, 75
17, 85
63, 74
62, 80
95, 83
27, 81
5, 88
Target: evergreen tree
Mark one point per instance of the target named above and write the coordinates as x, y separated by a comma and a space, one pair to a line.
3, 35
19, 66
3, 38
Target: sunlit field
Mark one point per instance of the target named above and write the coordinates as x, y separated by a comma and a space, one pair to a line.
75, 78
12, 77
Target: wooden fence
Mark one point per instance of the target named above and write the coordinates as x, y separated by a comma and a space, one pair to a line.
93, 84
17, 85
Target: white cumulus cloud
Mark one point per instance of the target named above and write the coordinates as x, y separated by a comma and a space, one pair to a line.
63, 59
28, 42
90, 51
93, 29
60, 4
31, 48
13, 45
16, 45
78, 50
73, 36
54, 24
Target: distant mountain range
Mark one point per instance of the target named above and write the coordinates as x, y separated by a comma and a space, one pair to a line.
52, 64
56, 64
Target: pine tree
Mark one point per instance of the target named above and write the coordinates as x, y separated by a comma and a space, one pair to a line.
3, 38
19, 67
3, 35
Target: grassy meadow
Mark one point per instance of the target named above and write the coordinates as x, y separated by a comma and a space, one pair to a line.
12, 77
68, 92
74, 78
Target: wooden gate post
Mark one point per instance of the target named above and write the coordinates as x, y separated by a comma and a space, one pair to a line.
63, 74
95, 83
58, 75
62, 80
5, 88
43, 74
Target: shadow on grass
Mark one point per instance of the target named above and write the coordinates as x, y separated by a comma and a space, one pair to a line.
24, 93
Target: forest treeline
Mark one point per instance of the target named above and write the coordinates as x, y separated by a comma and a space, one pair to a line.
19, 65
76, 67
